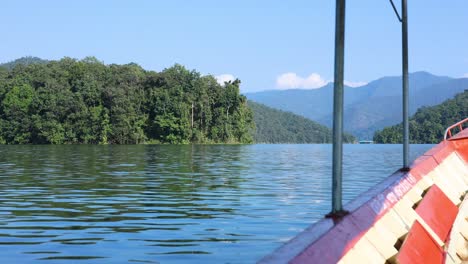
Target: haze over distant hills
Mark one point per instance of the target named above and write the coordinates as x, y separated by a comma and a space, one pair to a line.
367, 108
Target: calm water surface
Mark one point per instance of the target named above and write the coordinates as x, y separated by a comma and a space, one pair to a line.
171, 204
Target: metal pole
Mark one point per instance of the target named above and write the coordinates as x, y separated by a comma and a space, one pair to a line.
404, 29
337, 169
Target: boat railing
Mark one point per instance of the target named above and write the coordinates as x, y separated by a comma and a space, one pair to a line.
448, 132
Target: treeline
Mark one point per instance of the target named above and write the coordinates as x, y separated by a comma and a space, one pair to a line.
276, 126
428, 124
85, 101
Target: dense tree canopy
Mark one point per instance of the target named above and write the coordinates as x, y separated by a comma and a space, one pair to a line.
86, 101
428, 124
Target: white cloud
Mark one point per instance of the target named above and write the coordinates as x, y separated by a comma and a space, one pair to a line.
465, 75
222, 78
354, 84
291, 80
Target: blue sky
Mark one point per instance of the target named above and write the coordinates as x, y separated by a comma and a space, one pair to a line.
267, 44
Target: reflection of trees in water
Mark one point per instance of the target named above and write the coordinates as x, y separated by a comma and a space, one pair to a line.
194, 175
116, 183
168, 199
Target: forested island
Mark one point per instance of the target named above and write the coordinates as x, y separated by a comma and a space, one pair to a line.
87, 102
428, 124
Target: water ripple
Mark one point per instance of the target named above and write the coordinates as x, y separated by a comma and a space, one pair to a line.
170, 204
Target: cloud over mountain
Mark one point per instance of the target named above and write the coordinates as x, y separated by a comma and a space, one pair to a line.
354, 84
291, 80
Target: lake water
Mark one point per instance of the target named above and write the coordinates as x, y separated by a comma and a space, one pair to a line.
171, 204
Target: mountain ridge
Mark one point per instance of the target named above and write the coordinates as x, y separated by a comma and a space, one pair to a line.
369, 107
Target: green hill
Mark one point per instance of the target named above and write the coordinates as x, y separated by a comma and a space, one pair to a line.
276, 126
428, 124
23, 61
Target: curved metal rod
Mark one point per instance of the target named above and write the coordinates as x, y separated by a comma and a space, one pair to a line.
448, 131
396, 11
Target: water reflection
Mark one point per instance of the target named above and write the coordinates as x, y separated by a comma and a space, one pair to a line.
169, 204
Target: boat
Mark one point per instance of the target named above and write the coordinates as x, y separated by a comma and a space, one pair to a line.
366, 142
418, 215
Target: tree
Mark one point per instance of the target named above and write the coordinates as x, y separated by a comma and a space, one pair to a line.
85, 101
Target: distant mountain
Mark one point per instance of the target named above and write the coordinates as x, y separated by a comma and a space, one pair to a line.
276, 126
367, 108
428, 124
367, 116
23, 61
